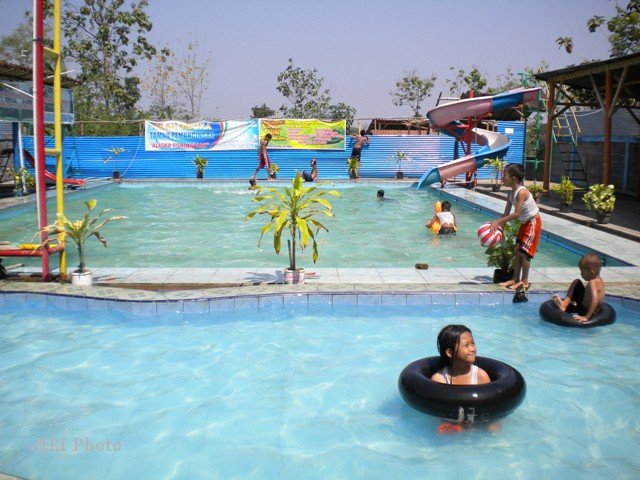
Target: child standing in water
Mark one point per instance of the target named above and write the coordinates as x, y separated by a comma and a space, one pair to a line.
457, 356
446, 219
527, 212
580, 300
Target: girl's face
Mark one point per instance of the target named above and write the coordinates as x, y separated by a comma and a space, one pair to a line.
466, 352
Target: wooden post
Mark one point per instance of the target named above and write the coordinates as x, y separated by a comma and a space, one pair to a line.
608, 113
546, 172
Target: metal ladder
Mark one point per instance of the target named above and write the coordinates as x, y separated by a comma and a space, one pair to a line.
566, 139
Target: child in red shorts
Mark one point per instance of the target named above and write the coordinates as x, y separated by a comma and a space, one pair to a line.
526, 210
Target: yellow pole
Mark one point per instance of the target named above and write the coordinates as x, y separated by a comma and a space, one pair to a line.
56, 54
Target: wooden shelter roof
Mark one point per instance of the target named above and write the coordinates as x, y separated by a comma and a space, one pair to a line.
20, 72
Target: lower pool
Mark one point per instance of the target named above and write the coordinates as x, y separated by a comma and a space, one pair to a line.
304, 391
190, 225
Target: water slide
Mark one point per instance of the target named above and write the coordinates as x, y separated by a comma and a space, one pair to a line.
75, 182
493, 144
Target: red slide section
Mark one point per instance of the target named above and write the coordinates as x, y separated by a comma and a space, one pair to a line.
50, 176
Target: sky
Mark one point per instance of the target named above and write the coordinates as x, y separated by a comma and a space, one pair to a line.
363, 47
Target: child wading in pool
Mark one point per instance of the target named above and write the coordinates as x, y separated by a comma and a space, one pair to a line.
580, 300
446, 219
527, 212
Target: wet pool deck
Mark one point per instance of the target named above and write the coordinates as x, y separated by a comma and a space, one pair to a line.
359, 285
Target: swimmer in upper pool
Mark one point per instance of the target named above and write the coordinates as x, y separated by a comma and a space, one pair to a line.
457, 356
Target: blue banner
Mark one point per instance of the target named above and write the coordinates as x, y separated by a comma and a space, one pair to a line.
228, 135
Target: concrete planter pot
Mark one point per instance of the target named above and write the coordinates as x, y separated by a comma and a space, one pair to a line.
603, 218
82, 278
294, 276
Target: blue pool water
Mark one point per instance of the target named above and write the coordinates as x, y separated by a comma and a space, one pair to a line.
294, 392
186, 225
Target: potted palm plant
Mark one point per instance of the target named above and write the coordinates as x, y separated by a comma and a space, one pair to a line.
399, 157
353, 165
501, 255
200, 163
115, 153
23, 181
565, 191
294, 211
79, 231
600, 199
497, 165
273, 170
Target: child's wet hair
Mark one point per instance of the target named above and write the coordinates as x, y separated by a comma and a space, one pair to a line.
446, 205
592, 261
252, 182
363, 132
380, 193
448, 338
515, 170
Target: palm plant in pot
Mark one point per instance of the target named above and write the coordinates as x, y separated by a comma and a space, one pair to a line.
502, 255
274, 168
497, 165
565, 191
294, 211
601, 199
200, 163
353, 165
399, 157
536, 190
79, 231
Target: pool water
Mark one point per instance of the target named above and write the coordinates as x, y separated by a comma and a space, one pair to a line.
185, 225
295, 392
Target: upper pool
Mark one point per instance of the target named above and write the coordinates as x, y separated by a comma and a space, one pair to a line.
202, 225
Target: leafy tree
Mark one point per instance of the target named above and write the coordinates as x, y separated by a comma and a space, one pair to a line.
340, 111
303, 89
16, 47
624, 29
466, 81
262, 111
193, 77
411, 90
106, 40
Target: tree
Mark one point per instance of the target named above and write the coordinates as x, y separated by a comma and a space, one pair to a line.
106, 40
262, 111
624, 29
193, 77
412, 90
340, 111
303, 89
16, 47
160, 86
465, 82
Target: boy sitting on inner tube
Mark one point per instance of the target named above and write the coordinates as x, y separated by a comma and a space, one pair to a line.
580, 300
446, 219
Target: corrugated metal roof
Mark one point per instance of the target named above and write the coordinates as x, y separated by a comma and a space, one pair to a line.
20, 72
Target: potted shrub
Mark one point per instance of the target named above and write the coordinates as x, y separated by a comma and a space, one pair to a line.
23, 181
601, 199
200, 163
399, 157
79, 231
353, 165
565, 191
497, 165
273, 170
294, 211
501, 255
536, 190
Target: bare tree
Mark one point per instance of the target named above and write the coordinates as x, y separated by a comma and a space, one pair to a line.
193, 74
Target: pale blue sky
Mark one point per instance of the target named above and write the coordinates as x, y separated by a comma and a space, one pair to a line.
362, 48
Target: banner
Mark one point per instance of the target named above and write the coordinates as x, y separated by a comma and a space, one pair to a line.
304, 134
229, 135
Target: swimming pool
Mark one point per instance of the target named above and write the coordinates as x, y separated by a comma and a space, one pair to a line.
304, 387
192, 225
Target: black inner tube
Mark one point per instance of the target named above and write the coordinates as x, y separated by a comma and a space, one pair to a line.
463, 403
549, 312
